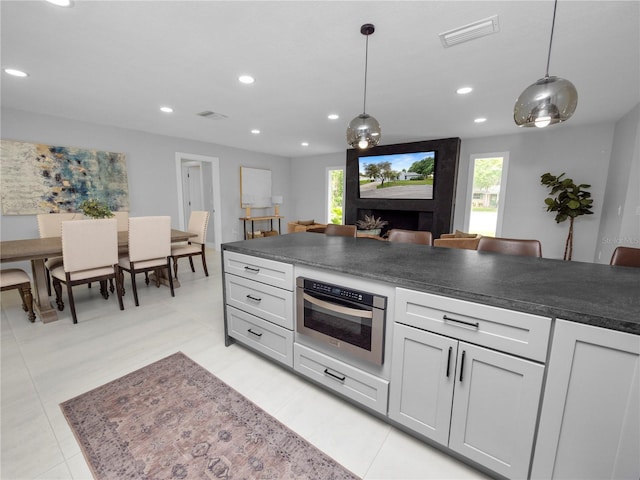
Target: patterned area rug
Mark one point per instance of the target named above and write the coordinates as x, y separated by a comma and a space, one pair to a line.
174, 420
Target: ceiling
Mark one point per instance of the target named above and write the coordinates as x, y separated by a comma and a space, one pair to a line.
116, 62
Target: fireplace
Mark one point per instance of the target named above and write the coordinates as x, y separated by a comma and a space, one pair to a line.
404, 219
430, 214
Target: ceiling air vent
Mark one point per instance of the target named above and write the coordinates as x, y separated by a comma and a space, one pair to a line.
474, 30
212, 115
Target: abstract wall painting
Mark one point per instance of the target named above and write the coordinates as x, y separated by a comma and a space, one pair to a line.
37, 178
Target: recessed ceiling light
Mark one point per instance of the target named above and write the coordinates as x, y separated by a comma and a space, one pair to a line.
60, 3
333, 116
464, 90
255, 131
305, 144
166, 109
16, 73
480, 120
247, 79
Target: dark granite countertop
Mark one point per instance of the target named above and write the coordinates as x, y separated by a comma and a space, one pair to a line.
589, 293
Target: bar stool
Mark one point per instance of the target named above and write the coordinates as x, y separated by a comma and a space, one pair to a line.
15, 278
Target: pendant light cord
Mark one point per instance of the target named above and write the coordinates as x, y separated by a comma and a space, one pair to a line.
366, 62
553, 24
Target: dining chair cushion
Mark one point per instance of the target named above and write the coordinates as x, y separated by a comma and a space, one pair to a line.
198, 222
11, 277
50, 224
185, 249
123, 220
59, 272
89, 244
149, 238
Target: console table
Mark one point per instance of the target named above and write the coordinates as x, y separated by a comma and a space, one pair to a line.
271, 218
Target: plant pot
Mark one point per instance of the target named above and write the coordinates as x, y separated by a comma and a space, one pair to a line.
375, 232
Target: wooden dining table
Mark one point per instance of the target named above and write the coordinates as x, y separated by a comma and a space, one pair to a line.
36, 250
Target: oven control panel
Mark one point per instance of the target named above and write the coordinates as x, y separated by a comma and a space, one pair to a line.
355, 296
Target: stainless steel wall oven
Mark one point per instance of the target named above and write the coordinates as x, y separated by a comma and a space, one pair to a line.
351, 321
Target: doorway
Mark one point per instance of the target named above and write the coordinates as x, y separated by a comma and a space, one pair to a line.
198, 178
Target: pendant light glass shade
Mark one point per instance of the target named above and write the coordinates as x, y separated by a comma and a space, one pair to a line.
364, 130
548, 101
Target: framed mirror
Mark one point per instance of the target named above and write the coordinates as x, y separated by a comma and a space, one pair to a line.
255, 187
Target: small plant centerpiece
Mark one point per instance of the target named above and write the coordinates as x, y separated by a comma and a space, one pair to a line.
568, 200
371, 225
95, 209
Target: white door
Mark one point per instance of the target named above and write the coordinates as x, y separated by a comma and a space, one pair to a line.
590, 420
192, 189
495, 407
198, 179
422, 380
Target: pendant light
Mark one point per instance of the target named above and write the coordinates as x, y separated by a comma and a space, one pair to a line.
364, 130
550, 100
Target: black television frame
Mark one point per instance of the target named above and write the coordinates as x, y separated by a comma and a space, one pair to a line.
435, 215
371, 160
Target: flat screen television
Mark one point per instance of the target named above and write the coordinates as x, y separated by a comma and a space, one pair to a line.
406, 176
420, 208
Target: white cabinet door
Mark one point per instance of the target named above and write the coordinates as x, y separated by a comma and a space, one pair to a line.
495, 407
590, 420
422, 372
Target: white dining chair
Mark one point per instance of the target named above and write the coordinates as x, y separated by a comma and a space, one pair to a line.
90, 254
149, 250
198, 222
50, 225
17, 279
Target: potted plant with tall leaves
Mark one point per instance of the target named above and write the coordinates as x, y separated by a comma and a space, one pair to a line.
568, 201
371, 225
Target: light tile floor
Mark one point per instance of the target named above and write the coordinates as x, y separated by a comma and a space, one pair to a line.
44, 365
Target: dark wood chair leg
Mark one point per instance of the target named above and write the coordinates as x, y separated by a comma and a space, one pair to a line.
103, 289
204, 263
119, 289
27, 302
170, 277
175, 267
133, 286
111, 287
72, 304
191, 263
57, 286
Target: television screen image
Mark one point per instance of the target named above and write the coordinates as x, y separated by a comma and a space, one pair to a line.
397, 176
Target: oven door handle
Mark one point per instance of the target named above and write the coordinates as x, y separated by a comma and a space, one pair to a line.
354, 312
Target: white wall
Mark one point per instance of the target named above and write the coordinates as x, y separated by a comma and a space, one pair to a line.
621, 206
583, 153
150, 168
309, 176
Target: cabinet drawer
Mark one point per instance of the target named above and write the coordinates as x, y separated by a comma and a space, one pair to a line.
267, 302
509, 331
351, 382
259, 269
272, 340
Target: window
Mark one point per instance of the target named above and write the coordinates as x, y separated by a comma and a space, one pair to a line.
335, 195
485, 206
